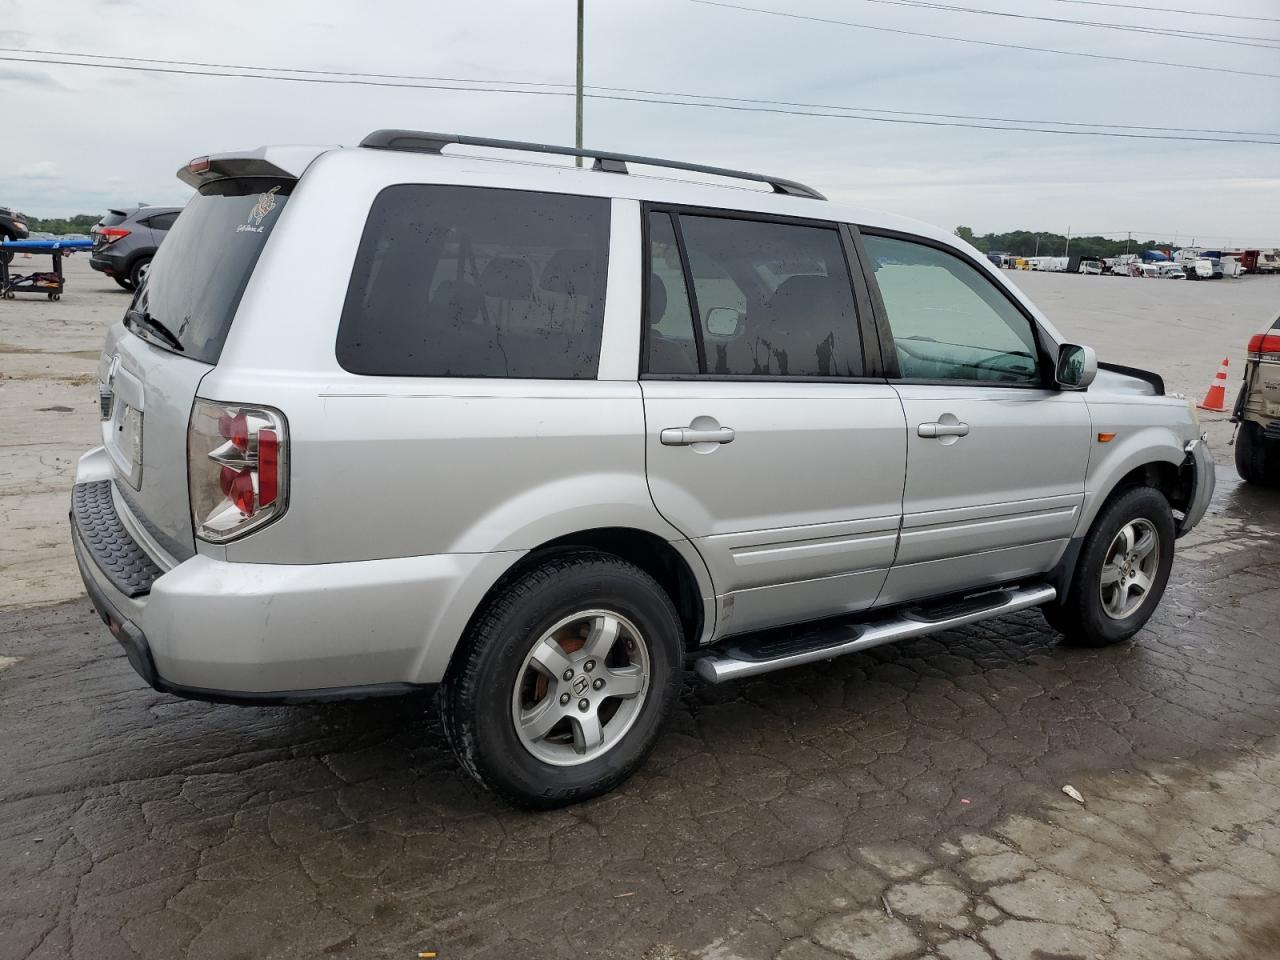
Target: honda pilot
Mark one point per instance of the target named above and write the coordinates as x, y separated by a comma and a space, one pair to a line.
537, 439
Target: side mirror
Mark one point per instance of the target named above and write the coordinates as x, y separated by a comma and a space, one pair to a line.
723, 322
1077, 366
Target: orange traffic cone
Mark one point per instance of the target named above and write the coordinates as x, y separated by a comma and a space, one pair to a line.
1216, 398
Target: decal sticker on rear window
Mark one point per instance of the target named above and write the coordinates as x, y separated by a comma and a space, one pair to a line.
266, 203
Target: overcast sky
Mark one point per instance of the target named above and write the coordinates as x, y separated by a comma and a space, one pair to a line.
78, 140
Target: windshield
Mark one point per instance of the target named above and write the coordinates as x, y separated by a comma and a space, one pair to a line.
200, 271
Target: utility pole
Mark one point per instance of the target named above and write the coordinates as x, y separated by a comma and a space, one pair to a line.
578, 127
1068, 246
1128, 240
1037, 253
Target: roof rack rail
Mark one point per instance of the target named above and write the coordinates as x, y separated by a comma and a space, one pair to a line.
417, 141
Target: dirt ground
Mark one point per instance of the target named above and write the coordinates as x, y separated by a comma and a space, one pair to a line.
902, 803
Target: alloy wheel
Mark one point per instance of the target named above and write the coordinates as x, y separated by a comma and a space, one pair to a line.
1129, 570
581, 687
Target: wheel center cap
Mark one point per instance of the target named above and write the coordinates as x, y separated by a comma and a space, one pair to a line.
580, 684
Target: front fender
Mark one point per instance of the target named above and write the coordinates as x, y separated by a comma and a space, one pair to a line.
1110, 462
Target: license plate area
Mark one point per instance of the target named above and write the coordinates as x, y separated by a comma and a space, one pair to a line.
122, 432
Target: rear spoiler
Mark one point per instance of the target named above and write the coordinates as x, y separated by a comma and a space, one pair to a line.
288, 163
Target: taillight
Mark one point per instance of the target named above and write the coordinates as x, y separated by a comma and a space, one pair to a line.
1265, 346
112, 234
237, 467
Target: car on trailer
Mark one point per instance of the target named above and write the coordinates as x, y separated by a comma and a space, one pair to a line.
537, 438
13, 226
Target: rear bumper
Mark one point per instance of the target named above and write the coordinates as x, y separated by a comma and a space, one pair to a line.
275, 633
103, 265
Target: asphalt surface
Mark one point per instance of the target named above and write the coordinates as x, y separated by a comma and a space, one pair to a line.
902, 803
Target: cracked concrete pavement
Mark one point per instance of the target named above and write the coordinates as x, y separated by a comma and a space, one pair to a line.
904, 803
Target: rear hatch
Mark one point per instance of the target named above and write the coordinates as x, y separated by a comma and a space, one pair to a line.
176, 327
112, 218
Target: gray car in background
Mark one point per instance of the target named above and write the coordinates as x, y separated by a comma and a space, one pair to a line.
124, 241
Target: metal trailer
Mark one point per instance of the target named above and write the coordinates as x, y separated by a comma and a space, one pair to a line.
51, 284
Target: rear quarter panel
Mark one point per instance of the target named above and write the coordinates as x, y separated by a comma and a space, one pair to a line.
386, 467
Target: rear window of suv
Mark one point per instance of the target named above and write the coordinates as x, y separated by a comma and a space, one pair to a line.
477, 282
201, 270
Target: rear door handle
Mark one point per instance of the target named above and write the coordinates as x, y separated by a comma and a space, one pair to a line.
684, 436
932, 430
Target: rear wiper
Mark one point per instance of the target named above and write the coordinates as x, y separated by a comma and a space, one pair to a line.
150, 323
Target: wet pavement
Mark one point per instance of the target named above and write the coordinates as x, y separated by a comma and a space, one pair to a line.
902, 803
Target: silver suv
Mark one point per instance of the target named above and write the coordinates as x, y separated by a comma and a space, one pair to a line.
385, 420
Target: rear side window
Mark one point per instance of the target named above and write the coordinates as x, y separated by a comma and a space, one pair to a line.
770, 298
200, 271
162, 221
672, 347
477, 282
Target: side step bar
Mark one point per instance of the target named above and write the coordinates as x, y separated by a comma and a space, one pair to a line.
779, 649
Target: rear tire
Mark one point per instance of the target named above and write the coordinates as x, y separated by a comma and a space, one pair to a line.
527, 702
1121, 573
1257, 458
123, 283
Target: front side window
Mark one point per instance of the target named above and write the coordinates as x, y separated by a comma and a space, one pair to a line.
477, 282
772, 299
949, 322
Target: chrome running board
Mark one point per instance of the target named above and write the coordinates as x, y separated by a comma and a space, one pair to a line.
779, 649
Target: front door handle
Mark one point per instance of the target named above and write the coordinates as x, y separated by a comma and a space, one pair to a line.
685, 436
932, 430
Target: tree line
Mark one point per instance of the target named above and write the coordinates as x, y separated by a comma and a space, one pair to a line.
1026, 243
80, 223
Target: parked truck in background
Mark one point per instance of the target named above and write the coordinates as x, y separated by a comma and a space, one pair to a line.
1257, 411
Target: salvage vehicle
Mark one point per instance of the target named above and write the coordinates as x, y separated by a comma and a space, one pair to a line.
538, 438
1257, 411
13, 226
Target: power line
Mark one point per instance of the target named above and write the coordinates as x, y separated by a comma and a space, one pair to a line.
985, 43
1190, 13
947, 116
633, 90
1262, 43
526, 91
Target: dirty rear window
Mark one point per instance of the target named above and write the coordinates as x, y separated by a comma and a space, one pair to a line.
204, 264
477, 282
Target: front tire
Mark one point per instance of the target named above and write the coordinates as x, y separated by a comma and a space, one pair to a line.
1121, 573
1257, 458
563, 683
